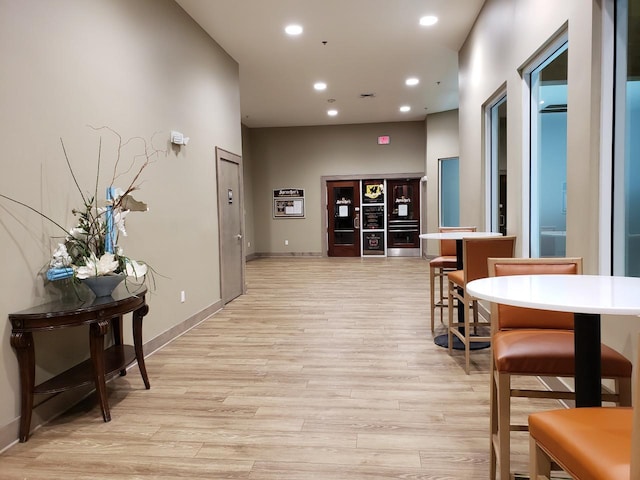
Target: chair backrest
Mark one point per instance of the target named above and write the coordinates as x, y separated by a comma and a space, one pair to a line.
507, 317
635, 429
476, 252
448, 247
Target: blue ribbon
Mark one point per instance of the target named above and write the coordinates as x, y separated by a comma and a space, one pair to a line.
59, 273
110, 240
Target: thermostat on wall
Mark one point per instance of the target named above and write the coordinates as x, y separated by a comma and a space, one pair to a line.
384, 140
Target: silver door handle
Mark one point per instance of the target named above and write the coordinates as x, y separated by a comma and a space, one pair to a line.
239, 236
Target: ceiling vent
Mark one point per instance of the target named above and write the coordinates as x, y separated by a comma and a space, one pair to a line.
367, 95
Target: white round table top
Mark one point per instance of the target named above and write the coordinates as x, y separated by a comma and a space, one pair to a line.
565, 293
457, 235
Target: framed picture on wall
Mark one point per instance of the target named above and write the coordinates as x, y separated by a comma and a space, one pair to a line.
288, 203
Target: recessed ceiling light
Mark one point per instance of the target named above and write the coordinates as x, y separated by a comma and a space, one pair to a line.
411, 81
428, 20
320, 86
332, 113
405, 108
293, 29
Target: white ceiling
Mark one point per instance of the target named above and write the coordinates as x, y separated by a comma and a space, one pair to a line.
372, 46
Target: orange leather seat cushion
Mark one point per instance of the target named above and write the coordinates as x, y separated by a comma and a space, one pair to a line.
548, 352
443, 262
457, 277
588, 443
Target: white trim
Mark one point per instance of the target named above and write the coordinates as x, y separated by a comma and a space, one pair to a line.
526, 162
492, 174
605, 217
619, 206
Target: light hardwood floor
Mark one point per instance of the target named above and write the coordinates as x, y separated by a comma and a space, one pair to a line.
325, 369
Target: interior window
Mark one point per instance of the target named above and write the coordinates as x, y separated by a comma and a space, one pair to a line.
548, 159
449, 188
498, 165
626, 202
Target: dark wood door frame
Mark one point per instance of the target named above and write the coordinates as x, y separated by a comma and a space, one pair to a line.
347, 223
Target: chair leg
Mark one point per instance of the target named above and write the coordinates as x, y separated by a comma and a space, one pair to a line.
493, 420
441, 295
503, 384
623, 389
450, 312
432, 273
539, 462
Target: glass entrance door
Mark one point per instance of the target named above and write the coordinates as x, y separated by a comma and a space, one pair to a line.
343, 229
403, 217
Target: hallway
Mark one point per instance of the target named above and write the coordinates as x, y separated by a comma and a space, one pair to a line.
325, 369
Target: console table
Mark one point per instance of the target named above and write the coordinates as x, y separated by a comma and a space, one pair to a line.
99, 313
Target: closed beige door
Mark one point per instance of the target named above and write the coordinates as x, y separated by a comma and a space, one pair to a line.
231, 224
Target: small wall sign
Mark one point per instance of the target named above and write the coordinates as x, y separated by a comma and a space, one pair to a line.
288, 203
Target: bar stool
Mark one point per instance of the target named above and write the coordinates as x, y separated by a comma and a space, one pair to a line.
599, 443
439, 267
530, 342
475, 252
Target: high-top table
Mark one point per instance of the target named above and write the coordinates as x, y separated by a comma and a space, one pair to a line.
458, 236
586, 296
99, 313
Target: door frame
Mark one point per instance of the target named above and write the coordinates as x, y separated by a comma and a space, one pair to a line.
224, 155
355, 248
491, 168
323, 197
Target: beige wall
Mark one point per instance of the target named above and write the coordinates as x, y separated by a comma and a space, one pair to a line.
507, 34
247, 166
139, 67
442, 142
298, 157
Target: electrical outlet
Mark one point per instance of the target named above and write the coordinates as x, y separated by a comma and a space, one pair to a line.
286, 242
183, 296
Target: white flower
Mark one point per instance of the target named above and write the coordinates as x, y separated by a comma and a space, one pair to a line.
97, 266
118, 220
61, 257
135, 269
78, 233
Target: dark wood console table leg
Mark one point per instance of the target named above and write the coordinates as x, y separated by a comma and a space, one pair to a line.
23, 344
97, 332
116, 326
138, 315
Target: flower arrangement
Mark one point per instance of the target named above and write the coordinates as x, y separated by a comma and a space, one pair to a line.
90, 248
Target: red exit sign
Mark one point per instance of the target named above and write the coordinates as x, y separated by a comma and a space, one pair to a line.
384, 140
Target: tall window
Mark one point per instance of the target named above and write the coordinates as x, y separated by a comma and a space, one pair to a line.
497, 180
449, 188
626, 188
548, 159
